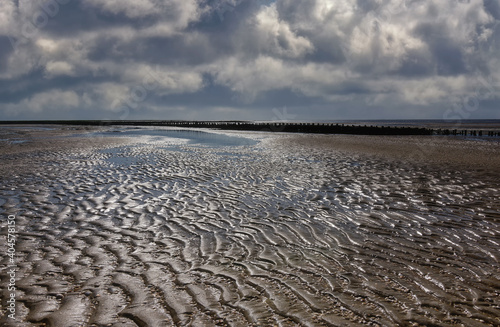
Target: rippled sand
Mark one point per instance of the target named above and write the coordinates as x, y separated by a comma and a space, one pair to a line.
293, 231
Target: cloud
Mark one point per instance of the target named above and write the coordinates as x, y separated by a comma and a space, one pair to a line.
131, 8
165, 16
54, 68
275, 36
47, 101
7, 16
231, 57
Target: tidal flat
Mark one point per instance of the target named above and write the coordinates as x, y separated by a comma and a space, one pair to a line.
138, 226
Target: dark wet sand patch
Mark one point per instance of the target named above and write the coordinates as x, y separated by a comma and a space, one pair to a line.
453, 152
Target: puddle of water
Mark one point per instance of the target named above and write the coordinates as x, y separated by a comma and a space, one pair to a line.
36, 128
190, 137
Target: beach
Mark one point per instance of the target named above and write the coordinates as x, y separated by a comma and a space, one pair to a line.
122, 226
471, 153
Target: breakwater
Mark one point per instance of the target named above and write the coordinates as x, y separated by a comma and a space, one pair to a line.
288, 127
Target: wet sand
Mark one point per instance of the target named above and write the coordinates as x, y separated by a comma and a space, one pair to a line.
293, 231
448, 152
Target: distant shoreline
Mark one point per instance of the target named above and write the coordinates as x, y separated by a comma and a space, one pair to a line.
286, 127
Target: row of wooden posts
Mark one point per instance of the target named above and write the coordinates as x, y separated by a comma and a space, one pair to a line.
290, 127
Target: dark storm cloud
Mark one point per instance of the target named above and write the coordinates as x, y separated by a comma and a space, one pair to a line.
493, 8
416, 64
240, 58
446, 52
192, 49
5, 51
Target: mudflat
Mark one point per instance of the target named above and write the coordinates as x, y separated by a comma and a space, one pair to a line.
474, 153
291, 230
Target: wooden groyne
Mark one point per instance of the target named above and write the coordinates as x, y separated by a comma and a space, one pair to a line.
288, 127
466, 132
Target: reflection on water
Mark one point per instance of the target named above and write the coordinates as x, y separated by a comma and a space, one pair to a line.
28, 128
186, 136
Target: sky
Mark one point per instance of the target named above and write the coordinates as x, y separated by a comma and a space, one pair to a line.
249, 60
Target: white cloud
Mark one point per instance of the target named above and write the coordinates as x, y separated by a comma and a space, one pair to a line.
53, 100
172, 15
276, 36
57, 68
162, 79
266, 73
7, 16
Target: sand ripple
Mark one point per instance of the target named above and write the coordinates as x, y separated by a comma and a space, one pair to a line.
147, 235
